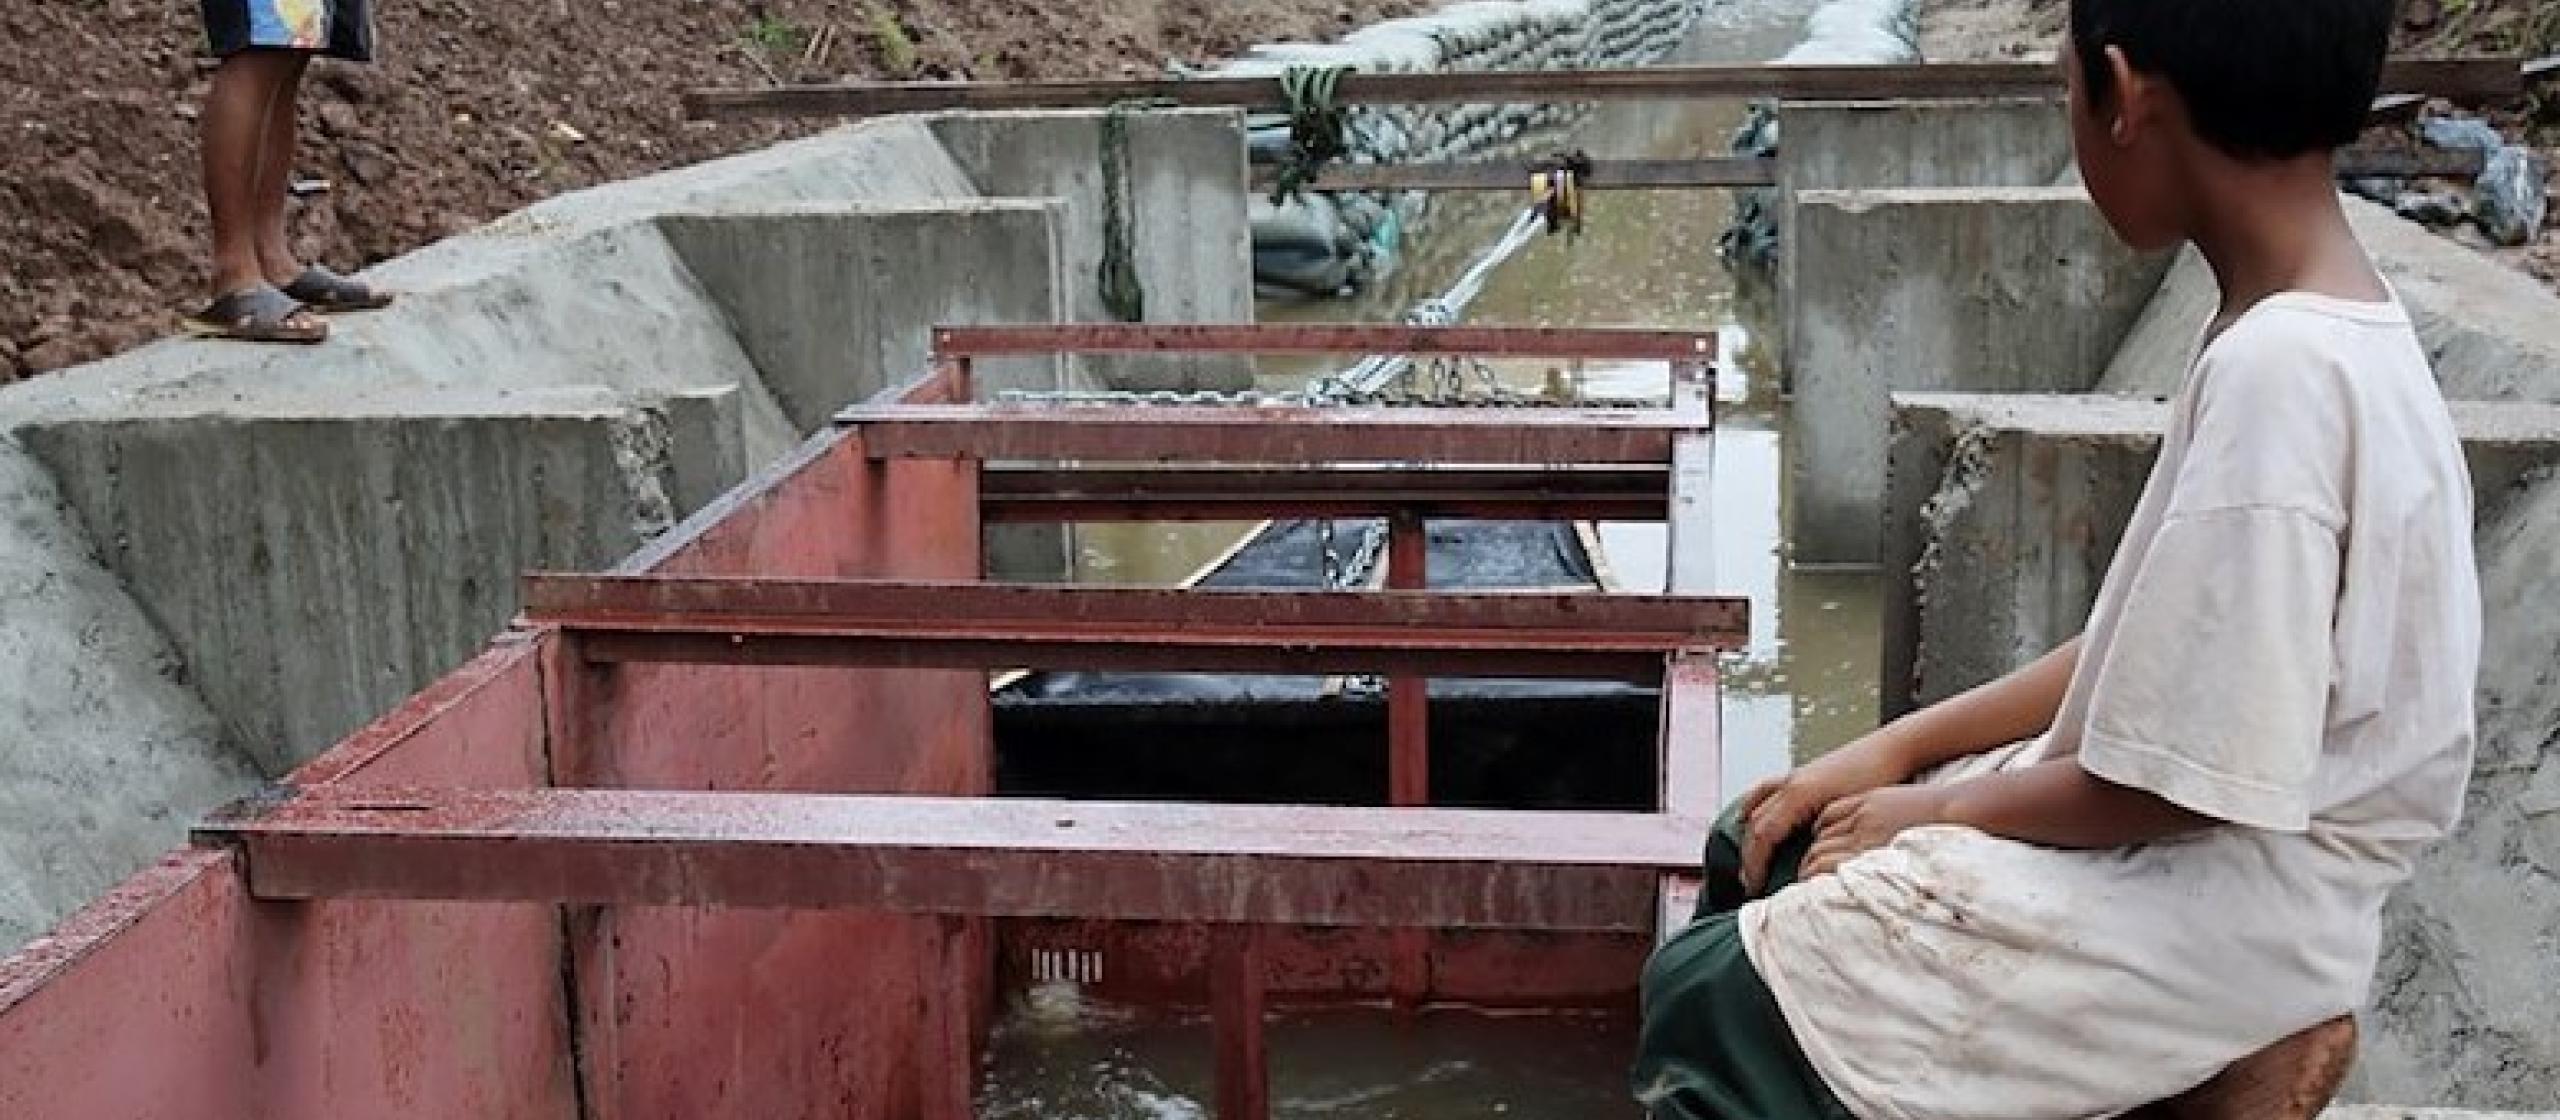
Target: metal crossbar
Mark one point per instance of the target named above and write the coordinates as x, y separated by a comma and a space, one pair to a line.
1010, 858
2469, 78
1005, 626
1231, 494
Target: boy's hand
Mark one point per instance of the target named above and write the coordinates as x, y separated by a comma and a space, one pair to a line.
1776, 808
1854, 826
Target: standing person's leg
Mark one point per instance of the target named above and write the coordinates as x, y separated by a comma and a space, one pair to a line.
237, 114
282, 136
246, 87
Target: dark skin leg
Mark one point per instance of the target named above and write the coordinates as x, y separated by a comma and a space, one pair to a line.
246, 90
275, 170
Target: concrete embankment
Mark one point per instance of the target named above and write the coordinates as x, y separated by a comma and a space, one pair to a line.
225, 557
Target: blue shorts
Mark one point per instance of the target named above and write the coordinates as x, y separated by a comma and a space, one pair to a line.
336, 28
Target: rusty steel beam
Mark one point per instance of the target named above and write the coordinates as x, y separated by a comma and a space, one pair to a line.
1236, 1018
1231, 494
1037, 339
1692, 754
2458, 78
1004, 626
1276, 436
967, 857
1748, 171
1408, 696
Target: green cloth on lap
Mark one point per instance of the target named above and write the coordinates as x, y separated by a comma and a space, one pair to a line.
1714, 1045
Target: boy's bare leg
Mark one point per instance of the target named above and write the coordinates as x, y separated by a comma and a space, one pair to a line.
246, 88
276, 258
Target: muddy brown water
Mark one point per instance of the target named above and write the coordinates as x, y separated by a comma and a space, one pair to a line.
1806, 683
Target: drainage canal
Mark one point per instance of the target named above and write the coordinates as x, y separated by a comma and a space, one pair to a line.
1806, 682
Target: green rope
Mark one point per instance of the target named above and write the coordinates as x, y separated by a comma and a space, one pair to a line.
1318, 128
1117, 276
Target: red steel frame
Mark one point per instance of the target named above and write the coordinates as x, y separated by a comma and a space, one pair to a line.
1406, 868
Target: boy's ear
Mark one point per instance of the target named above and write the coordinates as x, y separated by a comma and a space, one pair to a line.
2135, 99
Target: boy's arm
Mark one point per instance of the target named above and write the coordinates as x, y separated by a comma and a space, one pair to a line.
2018, 706
2004, 711
2054, 804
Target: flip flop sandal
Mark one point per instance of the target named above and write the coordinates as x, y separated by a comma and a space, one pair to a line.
329, 293
259, 314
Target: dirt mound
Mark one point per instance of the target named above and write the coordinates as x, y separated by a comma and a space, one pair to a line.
476, 108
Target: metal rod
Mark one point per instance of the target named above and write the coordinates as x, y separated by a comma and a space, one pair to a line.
2474, 77
1010, 858
1744, 171
1408, 697
1276, 436
1320, 338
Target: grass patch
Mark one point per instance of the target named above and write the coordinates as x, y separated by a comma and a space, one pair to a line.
775, 36
896, 48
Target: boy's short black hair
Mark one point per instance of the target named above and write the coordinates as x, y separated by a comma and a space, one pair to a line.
2264, 79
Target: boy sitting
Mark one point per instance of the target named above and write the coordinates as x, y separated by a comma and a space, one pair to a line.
2267, 717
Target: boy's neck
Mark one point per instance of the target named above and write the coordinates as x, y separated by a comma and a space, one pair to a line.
2269, 227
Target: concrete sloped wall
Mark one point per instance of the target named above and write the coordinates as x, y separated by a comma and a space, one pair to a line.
105, 755
316, 570
298, 537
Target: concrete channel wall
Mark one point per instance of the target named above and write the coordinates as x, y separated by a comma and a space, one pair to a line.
1998, 289
242, 552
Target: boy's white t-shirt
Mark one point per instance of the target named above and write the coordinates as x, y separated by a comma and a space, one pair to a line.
2287, 640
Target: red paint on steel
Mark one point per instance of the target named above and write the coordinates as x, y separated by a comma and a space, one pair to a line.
1235, 1013
1692, 768
1692, 751
767, 1013
138, 1005
1337, 966
1321, 338
707, 620
1272, 435
177, 995
1446, 868
1229, 494
492, 704
1408, 702
1409, 740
